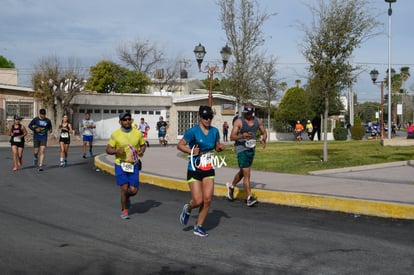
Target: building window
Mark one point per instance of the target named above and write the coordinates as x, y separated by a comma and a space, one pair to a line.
113, 111
106, 111
186, 120
23, 109
157, 113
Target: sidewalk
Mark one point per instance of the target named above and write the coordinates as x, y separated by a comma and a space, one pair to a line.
385, 190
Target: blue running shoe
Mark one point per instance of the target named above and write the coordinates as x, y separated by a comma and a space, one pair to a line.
124, 215
199, 231
185, 215
90, 154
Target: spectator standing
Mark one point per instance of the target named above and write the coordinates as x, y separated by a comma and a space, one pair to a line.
298, 130
40, 126
309, 129
17, 132
316, 123
410, 130
88, 125
225, 131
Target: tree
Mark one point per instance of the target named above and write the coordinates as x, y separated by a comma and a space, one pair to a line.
243, 22
167, 80
397, 90
4, 63
108, 77
293, 106
268, 87
55, 85
366, 111
337, 29
143, 56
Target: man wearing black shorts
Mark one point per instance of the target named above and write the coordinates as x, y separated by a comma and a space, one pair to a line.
40, 126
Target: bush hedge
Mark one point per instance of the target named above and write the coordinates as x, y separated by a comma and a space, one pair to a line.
357, 131
340, 133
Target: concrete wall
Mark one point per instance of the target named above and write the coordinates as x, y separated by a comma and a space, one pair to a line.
8, 76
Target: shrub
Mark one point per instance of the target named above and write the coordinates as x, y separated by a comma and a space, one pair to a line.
340, 133
357, 131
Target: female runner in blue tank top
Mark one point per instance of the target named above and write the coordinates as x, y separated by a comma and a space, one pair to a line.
199, 142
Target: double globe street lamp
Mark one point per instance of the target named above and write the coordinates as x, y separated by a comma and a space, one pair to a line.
200, 52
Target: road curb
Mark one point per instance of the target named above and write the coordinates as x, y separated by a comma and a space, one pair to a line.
294, 199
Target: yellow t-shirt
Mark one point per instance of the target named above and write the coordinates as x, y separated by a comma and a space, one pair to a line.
121, 139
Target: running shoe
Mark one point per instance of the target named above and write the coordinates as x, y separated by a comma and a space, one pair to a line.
65, 164
90, 154
124, 214
15, 168
84, 156
40, 168
20, 162
185, 215
199, 231
230, 191
250, 201
62, 164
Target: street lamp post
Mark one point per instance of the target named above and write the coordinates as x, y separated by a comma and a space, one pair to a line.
389, 65
374, 75
200, 52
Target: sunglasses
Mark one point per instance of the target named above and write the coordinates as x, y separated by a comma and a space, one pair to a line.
207, 117
126, 119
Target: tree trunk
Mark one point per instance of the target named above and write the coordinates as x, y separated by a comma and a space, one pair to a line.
325, 129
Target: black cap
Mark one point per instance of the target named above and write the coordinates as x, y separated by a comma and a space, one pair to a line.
123, 115
17, 117
42, 111
248, 109
205, 112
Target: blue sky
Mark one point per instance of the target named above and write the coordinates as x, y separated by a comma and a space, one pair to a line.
91, 30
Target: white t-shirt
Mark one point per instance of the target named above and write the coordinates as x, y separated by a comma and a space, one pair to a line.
87, 127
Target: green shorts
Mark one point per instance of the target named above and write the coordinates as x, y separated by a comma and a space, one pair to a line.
245, 158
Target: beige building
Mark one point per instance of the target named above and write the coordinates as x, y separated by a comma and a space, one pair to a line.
14, 100
180, 112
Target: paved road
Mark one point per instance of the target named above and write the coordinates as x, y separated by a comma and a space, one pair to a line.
66, 221
384, 190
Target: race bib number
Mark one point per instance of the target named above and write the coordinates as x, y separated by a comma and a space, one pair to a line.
17, 139
206, 161
250, 143
127, 167
64, 135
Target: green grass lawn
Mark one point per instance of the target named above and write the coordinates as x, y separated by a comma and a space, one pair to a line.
303, 157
